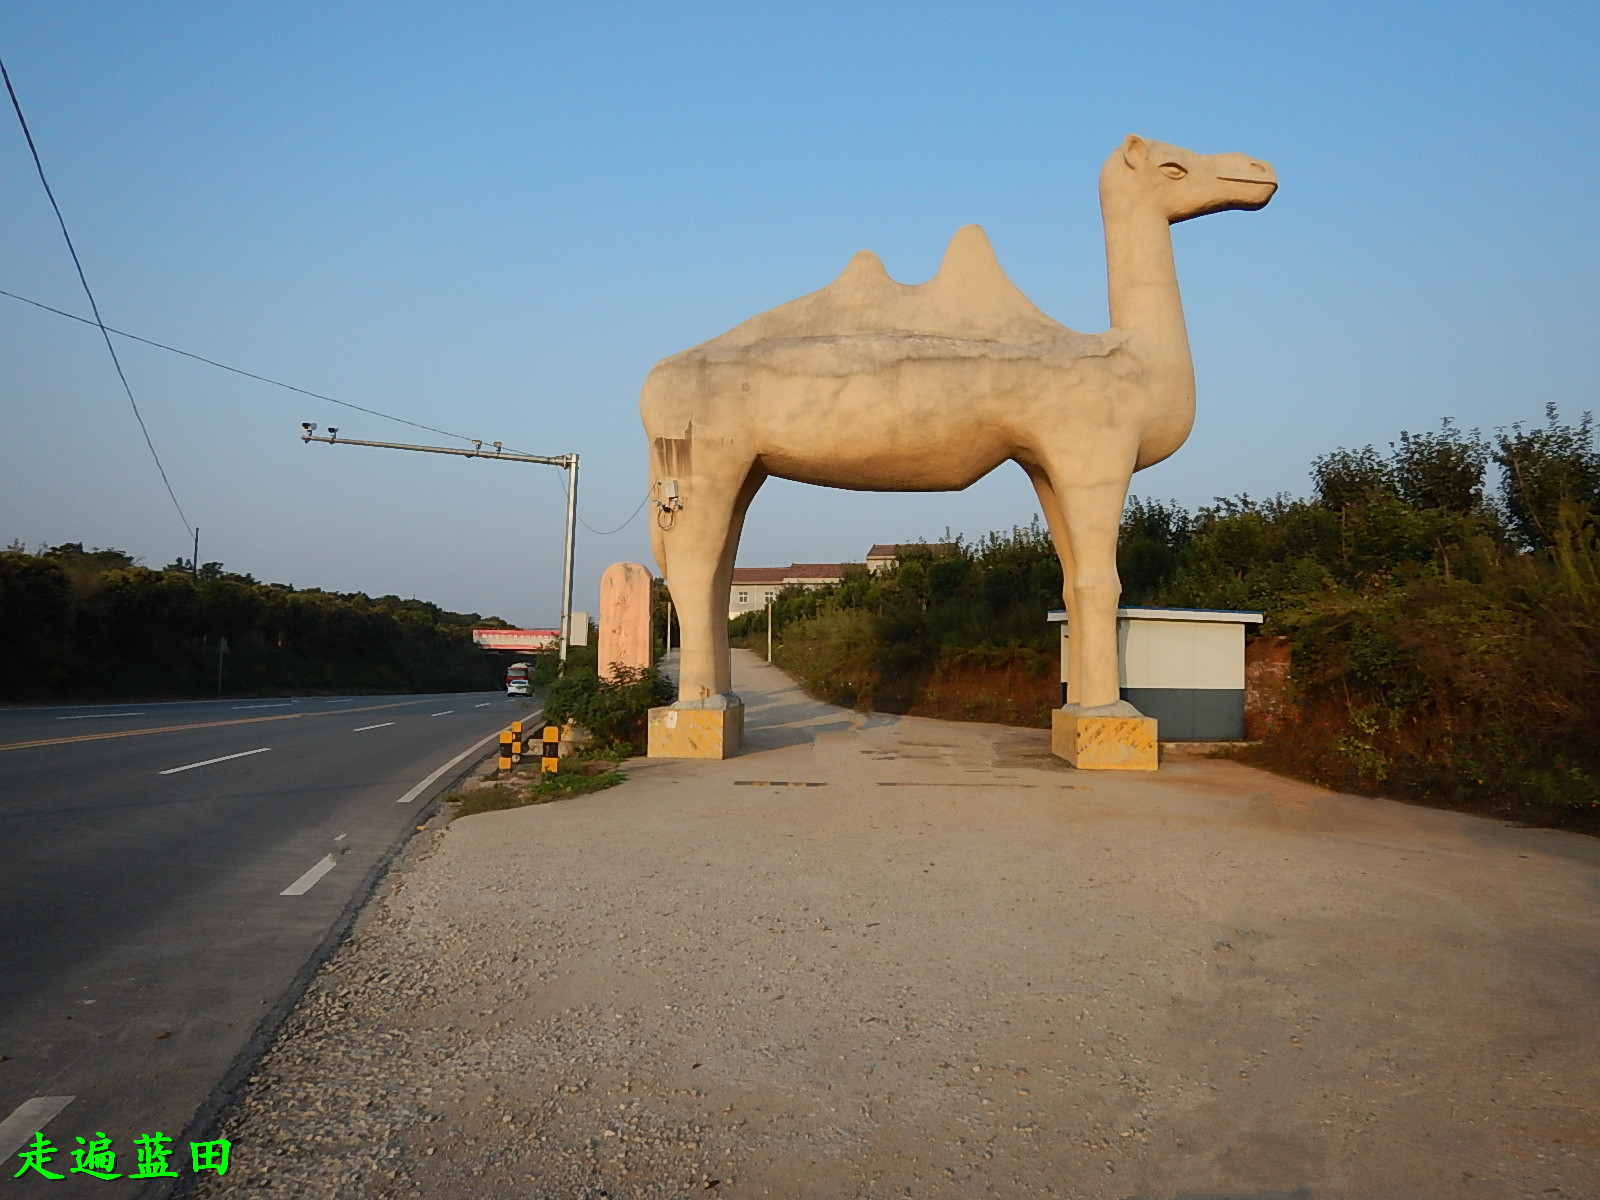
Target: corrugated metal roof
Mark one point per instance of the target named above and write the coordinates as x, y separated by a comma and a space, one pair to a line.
1059, 615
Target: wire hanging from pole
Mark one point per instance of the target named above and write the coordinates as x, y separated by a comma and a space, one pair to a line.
211, 362
38, 164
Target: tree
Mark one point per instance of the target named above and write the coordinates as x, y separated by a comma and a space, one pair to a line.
1544, 471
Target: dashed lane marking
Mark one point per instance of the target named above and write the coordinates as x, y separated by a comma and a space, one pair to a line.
309, 880
242, 707
379, 725
98, 717
27, 1119
485, 704
208, 761
445, 713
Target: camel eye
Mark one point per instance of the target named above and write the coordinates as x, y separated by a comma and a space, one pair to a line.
1174, 170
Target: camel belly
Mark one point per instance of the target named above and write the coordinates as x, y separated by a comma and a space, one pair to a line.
880, 469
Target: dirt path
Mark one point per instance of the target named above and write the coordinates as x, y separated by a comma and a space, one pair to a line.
955, 969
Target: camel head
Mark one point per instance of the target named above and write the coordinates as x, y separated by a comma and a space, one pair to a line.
1181, 184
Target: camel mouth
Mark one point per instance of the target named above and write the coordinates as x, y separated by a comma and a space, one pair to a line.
1271, 183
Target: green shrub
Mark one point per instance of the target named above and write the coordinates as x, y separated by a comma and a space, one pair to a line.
613, 711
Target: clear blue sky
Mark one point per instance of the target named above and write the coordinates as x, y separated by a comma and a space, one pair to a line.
494, 218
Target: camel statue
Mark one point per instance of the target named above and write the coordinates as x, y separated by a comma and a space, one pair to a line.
874, 385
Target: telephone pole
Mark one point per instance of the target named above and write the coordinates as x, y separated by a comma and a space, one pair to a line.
567, 462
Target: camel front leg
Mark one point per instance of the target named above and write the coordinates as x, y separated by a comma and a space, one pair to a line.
1096, 730
1092, 514
697, 554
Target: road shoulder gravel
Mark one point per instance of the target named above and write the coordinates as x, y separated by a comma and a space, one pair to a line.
950, 966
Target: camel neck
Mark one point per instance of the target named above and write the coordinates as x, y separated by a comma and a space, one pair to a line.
1142, 283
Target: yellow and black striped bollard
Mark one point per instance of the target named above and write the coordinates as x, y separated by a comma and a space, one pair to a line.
551, 757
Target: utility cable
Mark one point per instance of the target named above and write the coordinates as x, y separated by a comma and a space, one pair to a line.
566, 484
93, 307
211, 362
619, 528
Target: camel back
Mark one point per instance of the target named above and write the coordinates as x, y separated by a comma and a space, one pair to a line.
970, 299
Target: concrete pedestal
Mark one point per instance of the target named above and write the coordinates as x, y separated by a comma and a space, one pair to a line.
1115, 737
712, 729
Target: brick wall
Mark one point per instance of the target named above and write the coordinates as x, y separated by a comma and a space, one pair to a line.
1266, 685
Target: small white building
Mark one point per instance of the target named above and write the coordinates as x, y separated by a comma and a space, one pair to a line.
1182, 666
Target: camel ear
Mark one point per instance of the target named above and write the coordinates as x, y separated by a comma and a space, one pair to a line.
1134, 149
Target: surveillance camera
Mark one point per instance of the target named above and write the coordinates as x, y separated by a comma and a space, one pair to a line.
332, 432
308, 426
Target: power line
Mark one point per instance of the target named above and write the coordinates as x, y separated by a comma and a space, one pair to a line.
211, 362
93, 307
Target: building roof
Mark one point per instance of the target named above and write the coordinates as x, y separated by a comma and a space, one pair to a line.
1218, 616
759, 574
793, 573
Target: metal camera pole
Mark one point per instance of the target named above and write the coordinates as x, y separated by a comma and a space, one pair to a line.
568, 462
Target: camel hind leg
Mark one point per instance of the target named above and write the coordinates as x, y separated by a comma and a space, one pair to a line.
1050, 505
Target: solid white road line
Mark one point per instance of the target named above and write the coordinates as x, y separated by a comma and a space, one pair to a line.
27, 1119
209, 761
423, 786
242, 707
445, 713
309, 880
98, 717
379, 725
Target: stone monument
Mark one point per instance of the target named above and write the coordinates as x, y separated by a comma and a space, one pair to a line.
625, 620
875, 385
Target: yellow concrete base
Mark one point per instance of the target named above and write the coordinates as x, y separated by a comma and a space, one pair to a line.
1104, 743
696, 732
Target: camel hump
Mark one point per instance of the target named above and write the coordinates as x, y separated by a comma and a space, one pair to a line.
969, 262
970, 298
864, 272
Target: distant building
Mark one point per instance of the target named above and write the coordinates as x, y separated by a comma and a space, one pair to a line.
883, 555
754, 586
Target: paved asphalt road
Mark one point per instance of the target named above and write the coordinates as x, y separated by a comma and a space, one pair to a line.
144, 929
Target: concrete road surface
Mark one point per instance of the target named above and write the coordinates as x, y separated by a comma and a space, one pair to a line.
166, 873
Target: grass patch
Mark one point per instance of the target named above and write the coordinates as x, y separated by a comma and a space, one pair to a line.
523, 789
